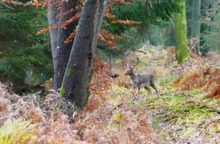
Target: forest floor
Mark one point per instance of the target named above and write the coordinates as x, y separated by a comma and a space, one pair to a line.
186, 111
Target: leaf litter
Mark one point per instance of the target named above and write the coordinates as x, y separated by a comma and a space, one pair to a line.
186, 112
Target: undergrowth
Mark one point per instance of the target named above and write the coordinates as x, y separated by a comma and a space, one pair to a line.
17, 131
181, 114
184, 117
111, 119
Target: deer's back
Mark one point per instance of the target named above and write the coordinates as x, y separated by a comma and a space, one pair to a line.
144, 79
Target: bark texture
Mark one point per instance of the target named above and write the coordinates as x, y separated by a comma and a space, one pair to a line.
182, 51
78, 71
52, 12
62, 51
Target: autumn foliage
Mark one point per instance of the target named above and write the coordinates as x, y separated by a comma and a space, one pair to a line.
100, 81
214, 83
205, 78
30, 119
194, 80
104, 35
108, 38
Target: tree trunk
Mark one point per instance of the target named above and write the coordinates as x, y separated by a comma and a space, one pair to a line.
195, 21
62, 51
182, 51
78, 71
52, 12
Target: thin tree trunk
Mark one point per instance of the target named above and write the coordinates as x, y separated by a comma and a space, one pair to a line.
195, 21
182, 51
52, 12
62, 51
78, 71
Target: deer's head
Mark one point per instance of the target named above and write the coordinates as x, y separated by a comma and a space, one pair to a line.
130, 69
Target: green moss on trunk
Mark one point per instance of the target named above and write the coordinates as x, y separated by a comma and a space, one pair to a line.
62, 91
182, 51
70, 72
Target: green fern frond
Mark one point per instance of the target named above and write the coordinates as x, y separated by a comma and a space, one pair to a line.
16, 131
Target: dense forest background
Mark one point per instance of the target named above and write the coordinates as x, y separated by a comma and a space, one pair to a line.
62, 67
26, 59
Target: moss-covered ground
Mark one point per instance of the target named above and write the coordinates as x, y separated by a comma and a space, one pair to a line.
182, 113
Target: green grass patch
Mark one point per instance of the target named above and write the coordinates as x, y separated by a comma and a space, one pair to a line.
184, 113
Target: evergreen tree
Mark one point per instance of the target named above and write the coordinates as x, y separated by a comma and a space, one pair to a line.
25, 58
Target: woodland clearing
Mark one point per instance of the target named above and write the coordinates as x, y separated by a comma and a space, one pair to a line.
187, 110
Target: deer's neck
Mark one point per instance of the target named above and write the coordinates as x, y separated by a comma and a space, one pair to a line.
133, 77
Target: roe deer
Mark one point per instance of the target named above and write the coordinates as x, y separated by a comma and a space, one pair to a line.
141, 79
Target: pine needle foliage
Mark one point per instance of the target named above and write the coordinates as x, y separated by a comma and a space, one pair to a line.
147, 12
152, 15
23, 55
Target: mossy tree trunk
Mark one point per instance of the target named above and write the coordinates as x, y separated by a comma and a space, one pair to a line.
78, 71
182, 51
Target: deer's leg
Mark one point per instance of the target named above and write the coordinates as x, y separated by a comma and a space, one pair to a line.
154, 87
148, 89
133, 89
133, 92
152, 84
139, 90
